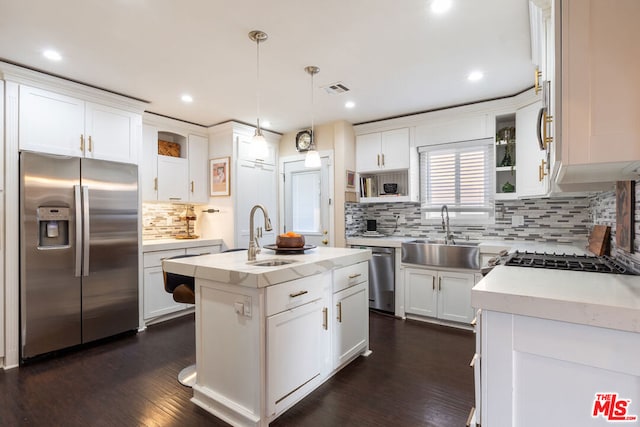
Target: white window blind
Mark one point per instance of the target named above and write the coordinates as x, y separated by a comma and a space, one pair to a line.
459, 175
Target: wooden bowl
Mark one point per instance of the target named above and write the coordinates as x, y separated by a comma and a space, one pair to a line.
290, 242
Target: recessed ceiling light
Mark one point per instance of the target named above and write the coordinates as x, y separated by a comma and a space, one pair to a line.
265, 123
474, 76
187, 98
349, 104
52, 55
440, 6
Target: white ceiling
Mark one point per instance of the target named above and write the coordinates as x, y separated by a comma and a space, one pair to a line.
396, 56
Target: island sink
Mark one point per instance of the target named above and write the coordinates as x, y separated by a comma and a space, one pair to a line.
273, 262
431, 253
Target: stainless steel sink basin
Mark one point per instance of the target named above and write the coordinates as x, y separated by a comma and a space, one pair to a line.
429, 253
274, 262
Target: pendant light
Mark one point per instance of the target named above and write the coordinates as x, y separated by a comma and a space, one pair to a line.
259, 144
313, 157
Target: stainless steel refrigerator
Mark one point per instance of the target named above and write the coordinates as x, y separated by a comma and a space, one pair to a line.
79, 251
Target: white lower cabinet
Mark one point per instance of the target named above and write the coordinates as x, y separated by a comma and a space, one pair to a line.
541, 372
156, 301
351, 308
445, 295
294, 352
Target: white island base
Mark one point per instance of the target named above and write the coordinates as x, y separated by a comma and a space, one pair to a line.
267, 337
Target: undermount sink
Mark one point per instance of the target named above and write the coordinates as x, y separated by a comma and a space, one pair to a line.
433, 254
275, 262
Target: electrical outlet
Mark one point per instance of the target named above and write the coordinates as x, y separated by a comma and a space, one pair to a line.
517, 220
349, 219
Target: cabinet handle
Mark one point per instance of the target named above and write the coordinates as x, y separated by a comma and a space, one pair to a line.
297, 294
382, 159
339, 307
155, 184
439, 283
192, 186
325, 318
474, 321
90, 144
433, 282
82, 143
546, 140
541, 170
536, 80
353, 276
175, 198
378, 159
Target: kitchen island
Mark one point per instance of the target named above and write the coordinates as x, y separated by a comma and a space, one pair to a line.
556, 347
270, 331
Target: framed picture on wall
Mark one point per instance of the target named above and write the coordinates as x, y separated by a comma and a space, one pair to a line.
219, 176
351, 179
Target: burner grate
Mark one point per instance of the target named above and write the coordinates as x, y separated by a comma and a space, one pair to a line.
572, 262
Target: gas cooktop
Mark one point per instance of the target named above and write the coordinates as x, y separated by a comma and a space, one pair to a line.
588, 263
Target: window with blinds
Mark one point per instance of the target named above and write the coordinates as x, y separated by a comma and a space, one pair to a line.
460, 175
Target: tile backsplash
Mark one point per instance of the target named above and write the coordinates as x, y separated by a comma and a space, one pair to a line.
555, 220
162, 221
561, 220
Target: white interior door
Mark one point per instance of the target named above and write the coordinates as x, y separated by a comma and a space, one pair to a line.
307, 201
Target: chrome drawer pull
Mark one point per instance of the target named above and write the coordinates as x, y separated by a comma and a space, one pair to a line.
297, 294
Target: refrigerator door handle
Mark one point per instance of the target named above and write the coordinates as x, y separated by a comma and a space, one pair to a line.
85, 230
78, 203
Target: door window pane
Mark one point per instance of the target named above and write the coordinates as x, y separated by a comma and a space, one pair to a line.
305, 197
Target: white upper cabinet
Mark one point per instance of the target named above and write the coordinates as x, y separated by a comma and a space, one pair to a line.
388, 150
173, 178
58, 124
531, 173
180, 177
600, 95
198, 156
247, 151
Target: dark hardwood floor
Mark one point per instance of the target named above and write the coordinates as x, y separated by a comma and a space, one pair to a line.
418, 375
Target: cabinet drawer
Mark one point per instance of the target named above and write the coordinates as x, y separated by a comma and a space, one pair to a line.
204, 250
154, 259
350, 275
288, 295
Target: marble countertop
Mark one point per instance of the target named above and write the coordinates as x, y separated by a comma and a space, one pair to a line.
595, 299
168, 244
233, 267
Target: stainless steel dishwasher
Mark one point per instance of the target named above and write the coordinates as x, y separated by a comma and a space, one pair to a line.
382, 283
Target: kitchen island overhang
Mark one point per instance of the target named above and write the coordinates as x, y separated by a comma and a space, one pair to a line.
268, 336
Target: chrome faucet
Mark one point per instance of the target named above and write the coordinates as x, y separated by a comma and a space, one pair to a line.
448, 237
254, 245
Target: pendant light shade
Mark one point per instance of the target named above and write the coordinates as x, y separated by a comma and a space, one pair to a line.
258, 142
312, 160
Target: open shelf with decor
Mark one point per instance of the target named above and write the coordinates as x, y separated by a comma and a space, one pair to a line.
387, 187
505, 158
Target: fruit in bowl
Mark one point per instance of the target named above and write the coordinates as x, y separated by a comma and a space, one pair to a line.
290, 240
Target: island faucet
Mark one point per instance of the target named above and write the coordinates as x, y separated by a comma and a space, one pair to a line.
445, 226
254, 246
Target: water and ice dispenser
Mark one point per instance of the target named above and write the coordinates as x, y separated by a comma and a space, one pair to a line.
53, 227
